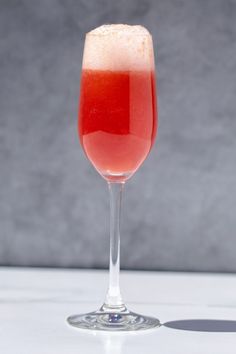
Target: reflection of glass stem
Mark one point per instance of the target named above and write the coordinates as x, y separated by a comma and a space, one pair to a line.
113, 344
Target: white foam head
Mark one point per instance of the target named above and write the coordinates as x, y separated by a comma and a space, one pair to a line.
118, 47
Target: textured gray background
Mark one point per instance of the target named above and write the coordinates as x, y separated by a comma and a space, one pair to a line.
180, 208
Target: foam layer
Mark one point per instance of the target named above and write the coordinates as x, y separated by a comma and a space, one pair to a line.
118, 47
120, 29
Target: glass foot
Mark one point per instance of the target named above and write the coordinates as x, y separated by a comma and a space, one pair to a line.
107, 319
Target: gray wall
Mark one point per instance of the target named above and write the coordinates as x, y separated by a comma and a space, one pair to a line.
180, 208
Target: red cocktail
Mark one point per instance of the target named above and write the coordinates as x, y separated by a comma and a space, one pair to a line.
117, 119
117, 128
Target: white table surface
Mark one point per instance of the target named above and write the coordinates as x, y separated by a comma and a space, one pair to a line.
34, 304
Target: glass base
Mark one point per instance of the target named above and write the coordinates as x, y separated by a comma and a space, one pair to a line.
113, 319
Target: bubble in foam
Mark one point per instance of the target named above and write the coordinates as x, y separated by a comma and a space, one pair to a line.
118, 47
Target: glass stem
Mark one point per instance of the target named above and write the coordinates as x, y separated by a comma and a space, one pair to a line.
113, 298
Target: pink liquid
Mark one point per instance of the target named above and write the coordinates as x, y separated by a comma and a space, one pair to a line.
117, 119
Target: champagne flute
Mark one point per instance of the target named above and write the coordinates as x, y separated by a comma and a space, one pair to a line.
117, 128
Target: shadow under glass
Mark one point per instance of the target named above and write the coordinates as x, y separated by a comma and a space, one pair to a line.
203, 325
